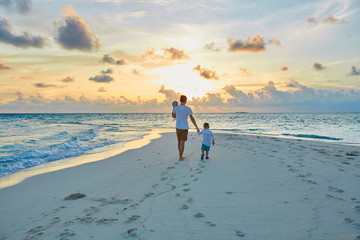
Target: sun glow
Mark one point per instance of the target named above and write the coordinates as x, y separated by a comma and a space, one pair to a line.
181, 78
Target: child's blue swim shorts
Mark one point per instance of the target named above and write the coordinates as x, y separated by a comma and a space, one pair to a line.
205, 148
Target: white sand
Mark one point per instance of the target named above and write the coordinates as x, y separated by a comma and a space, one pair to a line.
252, 187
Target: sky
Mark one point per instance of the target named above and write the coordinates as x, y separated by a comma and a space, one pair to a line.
140, 55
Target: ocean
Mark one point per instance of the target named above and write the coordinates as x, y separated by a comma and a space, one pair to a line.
28, 140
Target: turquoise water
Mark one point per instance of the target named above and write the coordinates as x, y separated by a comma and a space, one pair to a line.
27, 140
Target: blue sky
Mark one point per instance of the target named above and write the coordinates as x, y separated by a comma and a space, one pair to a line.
139, 56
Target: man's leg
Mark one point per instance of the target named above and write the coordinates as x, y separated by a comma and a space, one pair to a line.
181, 146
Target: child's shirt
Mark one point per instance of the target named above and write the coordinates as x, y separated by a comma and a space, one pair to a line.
208, 136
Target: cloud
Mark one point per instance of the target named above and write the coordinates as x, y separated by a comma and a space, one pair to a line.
275, 42
135, 72
23, 41
302, 99
252, 44
39, 104
102, 89
170, 94
45, 85
209, 100
102, 78
168, 54
295, 84
211, 47
354, 71
318, 66
21, 6
244, 71
107, 71
312, 20
284, 68
108, 59
329, 20
268, 98
74, 32
3, 66
175, 54
206, 73
333, 81
68, 79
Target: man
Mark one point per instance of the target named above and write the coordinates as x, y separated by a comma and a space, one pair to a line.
181, 112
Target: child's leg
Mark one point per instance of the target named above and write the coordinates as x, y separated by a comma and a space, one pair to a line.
207, 153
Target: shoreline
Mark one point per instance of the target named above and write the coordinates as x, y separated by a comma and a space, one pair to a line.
18, 177
252, 187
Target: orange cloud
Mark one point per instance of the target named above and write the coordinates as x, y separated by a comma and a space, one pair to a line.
284, 69
206, 73
252, 44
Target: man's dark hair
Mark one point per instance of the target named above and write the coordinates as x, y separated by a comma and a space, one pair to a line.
183, 98
206, 125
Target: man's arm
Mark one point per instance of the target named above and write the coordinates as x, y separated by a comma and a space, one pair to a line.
173, 114
194, 122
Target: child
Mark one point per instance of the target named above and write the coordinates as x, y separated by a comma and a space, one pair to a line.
208, 137
175, 103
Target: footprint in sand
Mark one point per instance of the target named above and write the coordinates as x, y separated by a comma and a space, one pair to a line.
133, 218
149, 194
91, 211
184, 206
132, 232
335, 189
211, 224
186, 189
66, 234
36, 232
240, 233
333, 197
112, 200
309, 181
199, 215
349, 220
357, 208
106, 220
55, 220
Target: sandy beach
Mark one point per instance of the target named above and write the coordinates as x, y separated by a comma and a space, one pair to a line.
252, 187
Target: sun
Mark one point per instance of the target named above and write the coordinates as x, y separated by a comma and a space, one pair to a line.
181, 78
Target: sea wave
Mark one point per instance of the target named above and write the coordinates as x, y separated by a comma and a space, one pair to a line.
312, 136
73, 147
